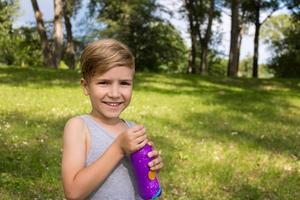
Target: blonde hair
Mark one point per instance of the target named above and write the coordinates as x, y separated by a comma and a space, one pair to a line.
102, 55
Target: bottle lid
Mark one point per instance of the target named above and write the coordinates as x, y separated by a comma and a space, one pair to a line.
151, 175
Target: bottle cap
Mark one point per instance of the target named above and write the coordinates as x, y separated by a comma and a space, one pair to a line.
151, 175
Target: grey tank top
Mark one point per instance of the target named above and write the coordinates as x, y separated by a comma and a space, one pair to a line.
120, 184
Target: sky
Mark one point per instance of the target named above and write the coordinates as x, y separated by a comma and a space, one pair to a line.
26, 17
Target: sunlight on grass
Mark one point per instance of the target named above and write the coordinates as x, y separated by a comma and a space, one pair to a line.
220, 138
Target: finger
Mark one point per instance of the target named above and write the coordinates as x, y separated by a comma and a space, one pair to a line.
153, 153
154, 162
157, 167
142, 144
140, 132
140, 139
150, 143
136, 128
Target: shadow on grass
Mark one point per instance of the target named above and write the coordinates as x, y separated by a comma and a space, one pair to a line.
270, 183
39, 77
214, 126
240, 102
284, 187
184, 84
194, 85
30, 164
273, 183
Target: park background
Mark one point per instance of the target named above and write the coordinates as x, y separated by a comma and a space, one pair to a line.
223, 109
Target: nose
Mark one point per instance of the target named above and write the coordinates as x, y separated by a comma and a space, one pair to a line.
114, 91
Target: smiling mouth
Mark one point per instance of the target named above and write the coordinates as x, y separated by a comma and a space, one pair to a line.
113, 104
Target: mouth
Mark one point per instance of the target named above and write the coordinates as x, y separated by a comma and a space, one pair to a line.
113, 104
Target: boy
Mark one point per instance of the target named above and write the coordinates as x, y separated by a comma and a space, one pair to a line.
95, 162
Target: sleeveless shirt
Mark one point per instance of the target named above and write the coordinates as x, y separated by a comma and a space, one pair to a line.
120, 183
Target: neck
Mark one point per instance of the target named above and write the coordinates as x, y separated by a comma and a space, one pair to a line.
104, 120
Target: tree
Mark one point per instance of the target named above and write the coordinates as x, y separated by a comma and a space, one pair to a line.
137, 24
25, 47
257, 6
232, 68
58, 32
70, 7
205, 37
47, 52
7, 12
193, 35
275, 29
243, 27
245, 69
239, 25
18, 46
294, 8
242, 13
283, 33
200, 16
52, 56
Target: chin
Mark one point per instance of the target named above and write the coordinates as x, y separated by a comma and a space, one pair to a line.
112, 115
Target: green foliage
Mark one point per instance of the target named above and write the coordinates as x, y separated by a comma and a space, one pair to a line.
286, 65
162, 46
73, 6
245, 67
18, 46
284, 36
217, 66
7, 13
156, 44
274, 29
22, 48
220, 138
251, 6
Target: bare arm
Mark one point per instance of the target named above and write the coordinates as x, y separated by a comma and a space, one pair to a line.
78, 180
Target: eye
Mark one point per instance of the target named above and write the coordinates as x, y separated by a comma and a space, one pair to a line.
125, 83
102, 83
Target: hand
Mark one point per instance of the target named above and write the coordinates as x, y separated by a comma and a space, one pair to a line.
132, 139
156, 164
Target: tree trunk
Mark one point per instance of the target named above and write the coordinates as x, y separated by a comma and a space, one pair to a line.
70, 51
203, 60
58, 32
206, 39
233, 54
256, 42
240, 38
192, 59
47, 54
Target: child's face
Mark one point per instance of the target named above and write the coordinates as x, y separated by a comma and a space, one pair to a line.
110, 93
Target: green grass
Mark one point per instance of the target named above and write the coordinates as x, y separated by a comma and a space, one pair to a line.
220, 138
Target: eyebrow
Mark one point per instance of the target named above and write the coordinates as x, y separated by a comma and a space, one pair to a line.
125, 79
103, 79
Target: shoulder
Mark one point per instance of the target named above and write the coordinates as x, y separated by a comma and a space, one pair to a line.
75, 127
75, 122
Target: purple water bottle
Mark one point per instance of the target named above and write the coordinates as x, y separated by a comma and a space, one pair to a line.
147, 181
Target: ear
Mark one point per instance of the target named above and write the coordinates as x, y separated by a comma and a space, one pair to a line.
85, 86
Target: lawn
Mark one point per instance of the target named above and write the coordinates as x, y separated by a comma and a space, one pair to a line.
220, 138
